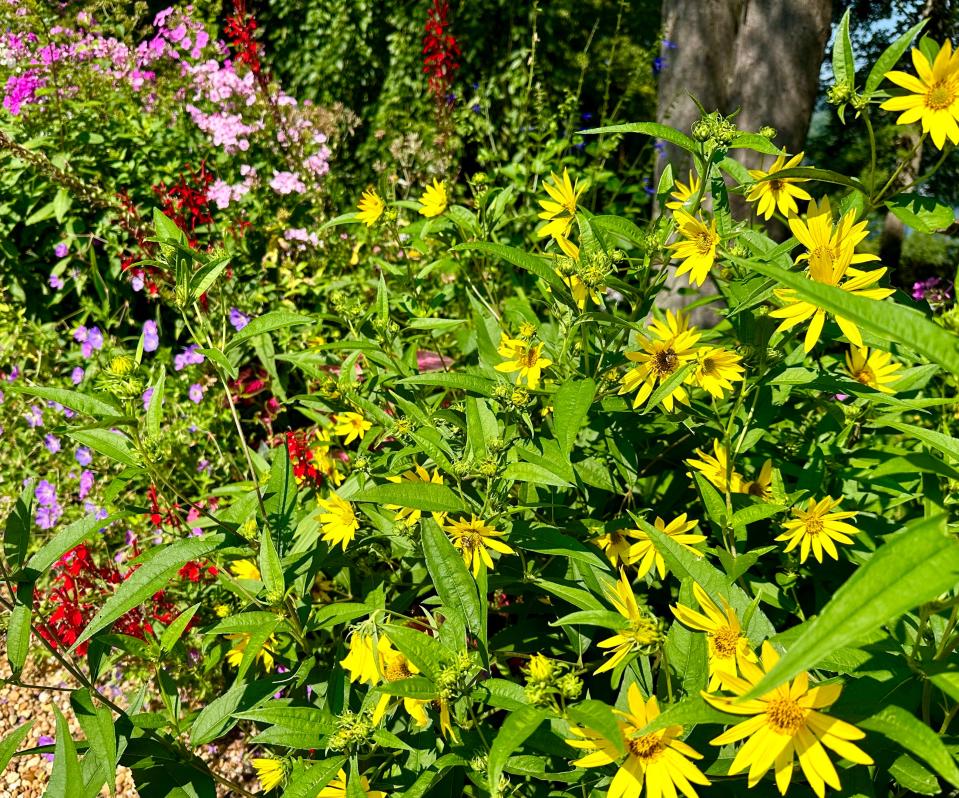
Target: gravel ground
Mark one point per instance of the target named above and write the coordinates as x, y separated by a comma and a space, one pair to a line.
26, 776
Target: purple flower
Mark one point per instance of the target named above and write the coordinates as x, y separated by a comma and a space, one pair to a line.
46, 493
91, 339
147, 395
21, 90
61, 249
202, 465
47, 517
34, 417
52, 442
188, 357
934, 290
86, 483
45, 740
55, 282
84, 456
76, 376
238, 320
151, 340
196, 393
137, 283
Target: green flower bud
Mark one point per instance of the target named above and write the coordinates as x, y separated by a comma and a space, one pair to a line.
767, 132
702, 130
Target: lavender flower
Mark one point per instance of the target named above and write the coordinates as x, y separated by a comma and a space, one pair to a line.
61, 249
86, 483
43, 739
151, 339
55, 282
238, 320
45, 493
188, 357
84, 456
34, 417
52, 442
47, 517
147, 395
76, 376
196, 393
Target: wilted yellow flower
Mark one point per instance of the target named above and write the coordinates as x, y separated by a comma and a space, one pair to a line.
683, 193
672, 347
817, 527
786, 724
697, 247
717, 369
617, 545
874, 368
337, 788
644, 552
370, 208
350, 426
728, 644
433, 202
830, 252
715, 468
658, 761
473, 538
339, 522
271, 772
524, 357
365, 659
641, 633
559, 211
934, 95
245, 569
781, 192
761, 486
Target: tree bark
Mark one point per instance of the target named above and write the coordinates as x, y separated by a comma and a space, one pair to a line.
760, 57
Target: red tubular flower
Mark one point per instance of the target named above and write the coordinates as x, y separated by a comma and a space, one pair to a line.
301, 456
186, 202
440, 51
239, 29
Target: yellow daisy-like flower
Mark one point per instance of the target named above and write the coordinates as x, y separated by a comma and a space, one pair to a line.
875, 368
934, 95
337, 788
271, 772
395, 667
817, 527
560, 210
658, 761
370, 207
717, 369
240, 641
434, 199
786, 724
830, 252
697, 247
777, 192
365, 660
715, 468
245, 569
524, 357
644, 552
418, 474
761, 486
350, 426
683, 193
339, 522
728, 644
672, 347
473, 538
642, 632
617, 545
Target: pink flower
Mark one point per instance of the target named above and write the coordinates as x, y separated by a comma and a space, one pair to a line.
431, 361
287, 183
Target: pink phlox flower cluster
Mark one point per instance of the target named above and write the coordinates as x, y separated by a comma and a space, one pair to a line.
301, 237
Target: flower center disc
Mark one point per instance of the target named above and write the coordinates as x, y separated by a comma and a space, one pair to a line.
785, 715
665, 362
941, 95
645, 747
725, 640
704, 243
813, 526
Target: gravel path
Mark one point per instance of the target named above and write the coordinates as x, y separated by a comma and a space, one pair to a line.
26, 776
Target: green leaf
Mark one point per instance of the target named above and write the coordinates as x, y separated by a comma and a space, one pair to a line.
650, 129
687, 650
243, 623
687, 713
453, 582
455, 380
922, 214
10, 743
221, 360
753, 141
216, 718
624, 228
206, 275
512, 734
64, 540
548, 540
886, 320
271, 570
147, 579
166, 229
312, 777
425, 652
946, 444
66, 774
571, 405
676, 379
913, 567
16, 531
275, 320
87, 404
481, 426
902, 727
604, 618
100, 731
685, 565
112, 444
599, 717
154, 413
843, 65
427, 496
176, 628
890, 57
18, 636
534, 264
535, 474
822, 175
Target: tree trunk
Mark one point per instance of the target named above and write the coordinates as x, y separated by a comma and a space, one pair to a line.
761, 57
